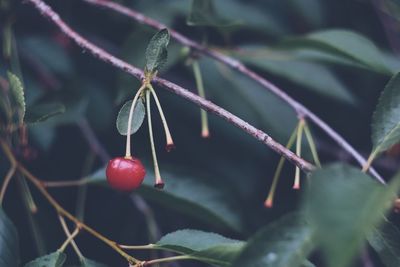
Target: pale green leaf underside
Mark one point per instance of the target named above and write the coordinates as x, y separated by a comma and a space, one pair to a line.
55, 259
137, 117
17, 91
386, 118
338, 203
202, 246
284, 243
42, 112
156, 52
9, 246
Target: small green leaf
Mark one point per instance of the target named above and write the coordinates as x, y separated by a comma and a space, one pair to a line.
385, 240
90, 263
344, 205
286, 242
203, 13
42, 112
17, 91
55, 259
156, 52
344, 44
137, 117
202, 246
190, 196
9, 245
386, 118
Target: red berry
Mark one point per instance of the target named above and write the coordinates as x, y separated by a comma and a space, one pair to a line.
125, 174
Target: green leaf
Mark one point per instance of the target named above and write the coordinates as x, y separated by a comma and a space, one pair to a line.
386, 118
156, 51
17, 91
385, 240
42, 112
189, 195
90, 263
344, 205
314, 76
203, 13
9, 245
284, 243
55, 259
137, 117
346, 44
202, 246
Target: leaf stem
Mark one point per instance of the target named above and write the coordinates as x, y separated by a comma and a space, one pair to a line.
168, 259
128, 154
370, 159
205, 133
299, 138
142, 247
170, 142
312, 145
158, 183
71, 236
69, 240
270, 199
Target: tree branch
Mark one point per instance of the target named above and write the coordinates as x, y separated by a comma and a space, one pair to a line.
237, 65
101, 54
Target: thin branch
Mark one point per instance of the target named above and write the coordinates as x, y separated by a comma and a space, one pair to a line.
7, 178
70, 236
101, 54
300, 109
39, 185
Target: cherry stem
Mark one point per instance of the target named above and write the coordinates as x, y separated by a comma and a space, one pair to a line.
270, 199
159, 182
296, 184
205, 132
39, 185
128, 131
312, 145
70, 236
170, 142
27, 195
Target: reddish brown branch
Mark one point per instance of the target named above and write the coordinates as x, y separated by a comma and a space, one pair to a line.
237, 65
47, 12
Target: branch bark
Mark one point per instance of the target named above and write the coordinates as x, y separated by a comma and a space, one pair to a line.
301, 110
101, 54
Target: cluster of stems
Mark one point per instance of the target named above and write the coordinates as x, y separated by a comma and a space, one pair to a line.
296, 136
144, 93
63, 214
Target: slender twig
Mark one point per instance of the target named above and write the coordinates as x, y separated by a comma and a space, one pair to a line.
101, 54
8, 176
39, 185
169, 259
69, 239
300, 109
70, 236
7, 180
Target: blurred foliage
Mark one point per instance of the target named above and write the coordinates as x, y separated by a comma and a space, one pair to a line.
334, 56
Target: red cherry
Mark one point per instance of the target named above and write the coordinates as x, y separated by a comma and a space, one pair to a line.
125, 174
